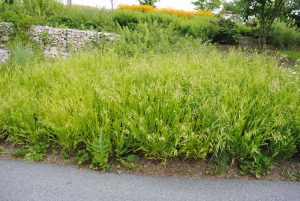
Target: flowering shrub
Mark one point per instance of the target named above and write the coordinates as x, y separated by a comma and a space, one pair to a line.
147, 8
144, 8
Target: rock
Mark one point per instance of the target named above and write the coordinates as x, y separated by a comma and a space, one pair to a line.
4, 55
6, 29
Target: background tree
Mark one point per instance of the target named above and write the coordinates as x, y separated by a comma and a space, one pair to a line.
230, 7
148, 2
265, 11
292, 13
113, 3
207, 4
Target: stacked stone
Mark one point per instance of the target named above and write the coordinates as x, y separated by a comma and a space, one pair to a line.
63, 41
4, 54
55, 41
6, 29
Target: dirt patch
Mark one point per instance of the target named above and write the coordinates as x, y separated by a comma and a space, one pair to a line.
192, 169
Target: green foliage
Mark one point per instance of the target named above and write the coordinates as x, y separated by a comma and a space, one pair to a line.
230, 7
16, 13
2, 150
207, 4
57, 15
192, 101
21, 54
8, 1
148, 2
282, 36
148, 38
247, 31
41, 7
37, 151
132, 158
82, 157
265, 11
45, 38
20, 153
292, 54
227, 32
157, 92
258, 166
292, 14
54, 14
101, 151
292, 175
126, 18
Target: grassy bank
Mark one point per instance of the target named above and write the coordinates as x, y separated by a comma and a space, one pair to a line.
200, 25
52, 13
197, 103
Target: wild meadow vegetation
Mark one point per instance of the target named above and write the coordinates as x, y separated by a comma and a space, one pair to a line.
160, 91
199, 25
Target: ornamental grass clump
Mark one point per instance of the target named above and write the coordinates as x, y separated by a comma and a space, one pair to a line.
195, 103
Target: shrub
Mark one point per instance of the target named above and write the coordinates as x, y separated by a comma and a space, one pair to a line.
125, 18
247, 31
284, 37
227, 32
16, 13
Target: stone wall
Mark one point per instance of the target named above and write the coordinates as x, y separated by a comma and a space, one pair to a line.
56, 41
4, 54
6, 30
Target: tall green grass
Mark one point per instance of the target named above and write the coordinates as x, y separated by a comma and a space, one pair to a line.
156, 92
195, 103
21, 54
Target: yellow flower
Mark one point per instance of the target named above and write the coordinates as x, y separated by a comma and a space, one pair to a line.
147, 8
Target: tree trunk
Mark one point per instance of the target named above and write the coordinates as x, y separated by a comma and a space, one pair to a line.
262, 41
69, 2
112, 4
262, 32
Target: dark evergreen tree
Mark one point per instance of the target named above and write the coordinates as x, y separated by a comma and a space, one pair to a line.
148, 2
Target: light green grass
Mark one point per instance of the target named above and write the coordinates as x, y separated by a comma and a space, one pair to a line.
21, 54
292, 54
196, 104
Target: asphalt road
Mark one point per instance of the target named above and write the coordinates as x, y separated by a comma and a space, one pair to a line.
24, 181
